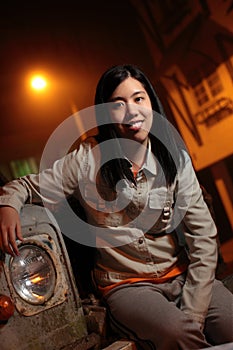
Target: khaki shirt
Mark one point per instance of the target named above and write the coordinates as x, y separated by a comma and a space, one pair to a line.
134, 227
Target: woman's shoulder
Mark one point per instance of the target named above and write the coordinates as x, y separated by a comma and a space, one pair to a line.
183, 157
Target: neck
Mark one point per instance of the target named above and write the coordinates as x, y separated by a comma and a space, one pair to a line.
135, 152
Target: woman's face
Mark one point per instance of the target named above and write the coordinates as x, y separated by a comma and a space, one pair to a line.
131, 110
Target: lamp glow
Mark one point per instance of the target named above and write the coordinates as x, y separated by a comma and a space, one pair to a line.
38, 82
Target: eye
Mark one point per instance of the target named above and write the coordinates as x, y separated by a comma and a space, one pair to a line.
139, 99
117, 105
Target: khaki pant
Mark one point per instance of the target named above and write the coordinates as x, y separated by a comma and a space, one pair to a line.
150, 315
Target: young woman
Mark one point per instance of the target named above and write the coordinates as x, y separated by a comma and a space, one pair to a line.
156, 240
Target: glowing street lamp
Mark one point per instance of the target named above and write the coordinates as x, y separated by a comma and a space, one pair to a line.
38, 82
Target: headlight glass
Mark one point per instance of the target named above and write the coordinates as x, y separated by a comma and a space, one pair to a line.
33, 274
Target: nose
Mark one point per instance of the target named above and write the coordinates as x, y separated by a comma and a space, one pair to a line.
132, 110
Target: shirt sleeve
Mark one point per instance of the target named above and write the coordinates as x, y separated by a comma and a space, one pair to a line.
200, 236
49, 187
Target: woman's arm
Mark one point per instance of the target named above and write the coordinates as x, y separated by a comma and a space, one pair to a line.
49, 187
200, 235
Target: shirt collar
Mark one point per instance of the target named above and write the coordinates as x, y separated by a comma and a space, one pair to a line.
150, 163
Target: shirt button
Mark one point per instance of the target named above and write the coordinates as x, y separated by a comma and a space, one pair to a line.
140, 241
147, 259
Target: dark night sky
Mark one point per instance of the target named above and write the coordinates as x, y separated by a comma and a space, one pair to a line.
74, 42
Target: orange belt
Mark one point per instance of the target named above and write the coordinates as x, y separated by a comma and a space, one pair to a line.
176, 271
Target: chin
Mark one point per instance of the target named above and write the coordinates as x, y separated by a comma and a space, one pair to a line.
140, 136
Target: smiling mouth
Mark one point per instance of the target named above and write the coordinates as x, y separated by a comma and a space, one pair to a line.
135, 125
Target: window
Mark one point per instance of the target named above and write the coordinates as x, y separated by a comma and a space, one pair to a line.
208, 88
201, 94
214, 84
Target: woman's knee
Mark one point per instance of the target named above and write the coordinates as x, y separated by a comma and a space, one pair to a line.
219, 321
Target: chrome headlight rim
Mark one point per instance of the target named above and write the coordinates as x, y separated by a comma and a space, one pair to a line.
44, 256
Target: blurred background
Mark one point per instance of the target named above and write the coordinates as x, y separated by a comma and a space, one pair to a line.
184, 46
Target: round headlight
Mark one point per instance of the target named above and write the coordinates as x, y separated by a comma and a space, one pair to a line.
33, 274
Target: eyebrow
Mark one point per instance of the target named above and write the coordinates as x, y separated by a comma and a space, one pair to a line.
121, 98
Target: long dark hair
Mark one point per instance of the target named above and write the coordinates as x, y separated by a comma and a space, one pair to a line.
161, 135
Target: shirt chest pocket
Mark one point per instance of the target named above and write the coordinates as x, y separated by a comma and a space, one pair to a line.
93, 198
157, 198
100, 211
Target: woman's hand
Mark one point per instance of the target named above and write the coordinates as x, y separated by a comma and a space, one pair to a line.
10, 230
